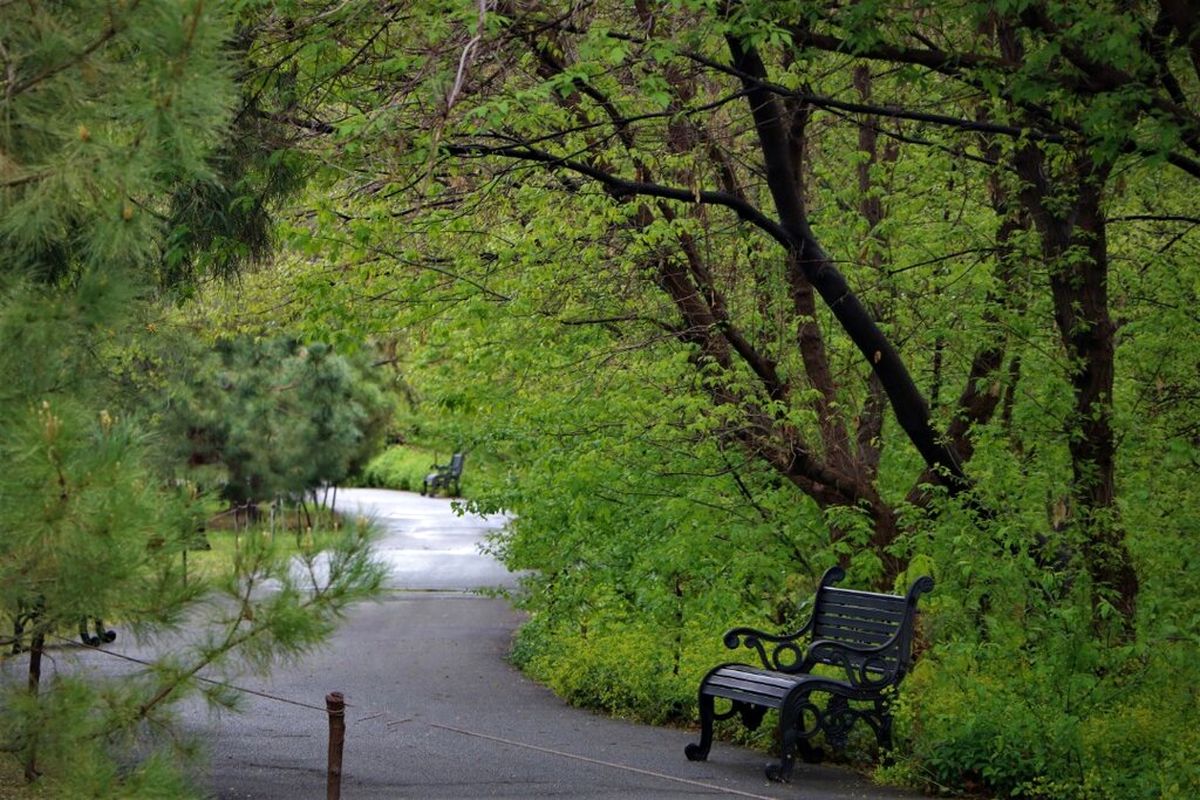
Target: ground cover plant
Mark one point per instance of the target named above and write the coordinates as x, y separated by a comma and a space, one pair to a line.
401, 467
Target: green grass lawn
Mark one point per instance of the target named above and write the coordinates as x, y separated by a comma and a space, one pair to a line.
224, 546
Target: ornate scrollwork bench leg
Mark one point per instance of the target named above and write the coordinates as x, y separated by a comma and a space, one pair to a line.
699, 751
751, 715
103, 635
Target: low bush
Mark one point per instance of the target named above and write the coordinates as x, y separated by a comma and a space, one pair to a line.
402, 468
1025, 727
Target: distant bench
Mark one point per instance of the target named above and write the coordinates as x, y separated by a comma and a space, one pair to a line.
30, 613
443, 475
865, 636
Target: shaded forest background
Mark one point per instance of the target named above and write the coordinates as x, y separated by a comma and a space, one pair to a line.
727, 293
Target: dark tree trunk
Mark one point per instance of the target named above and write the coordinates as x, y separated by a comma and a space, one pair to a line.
818, 268
37, 645
1074, 245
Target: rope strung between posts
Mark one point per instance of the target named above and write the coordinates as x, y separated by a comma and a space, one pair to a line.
372, 713
200, 678
598, 762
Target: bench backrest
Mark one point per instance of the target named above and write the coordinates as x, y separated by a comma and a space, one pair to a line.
456, 465
866, 620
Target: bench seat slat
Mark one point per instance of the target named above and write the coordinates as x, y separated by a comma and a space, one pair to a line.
753, 698
721, 687
748, 673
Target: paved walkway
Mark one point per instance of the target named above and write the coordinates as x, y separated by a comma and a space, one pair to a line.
435, 711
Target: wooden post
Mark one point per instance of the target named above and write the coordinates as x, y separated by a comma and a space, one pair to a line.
335, 705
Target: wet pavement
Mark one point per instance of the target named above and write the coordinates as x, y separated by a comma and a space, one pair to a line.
435, 711
426, 543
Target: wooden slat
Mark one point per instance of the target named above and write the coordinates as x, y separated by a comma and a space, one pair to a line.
837, 620
887, 616
880, 602
875, 602
754, 673
750, 685
765, 701
852, 635
865, 597
885, 661
722, 685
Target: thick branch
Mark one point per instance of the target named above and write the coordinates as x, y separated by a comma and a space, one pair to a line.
622, 188
906, 400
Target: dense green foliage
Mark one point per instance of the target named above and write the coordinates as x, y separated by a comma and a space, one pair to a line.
608, 244
739, 291
270, 417
107, 111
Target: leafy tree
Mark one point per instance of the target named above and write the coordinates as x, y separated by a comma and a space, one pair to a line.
669, 123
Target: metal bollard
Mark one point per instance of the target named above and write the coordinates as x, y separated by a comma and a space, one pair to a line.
335, 706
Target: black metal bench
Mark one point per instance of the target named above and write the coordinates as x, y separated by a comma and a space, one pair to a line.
444, 475
865, 637
30, 613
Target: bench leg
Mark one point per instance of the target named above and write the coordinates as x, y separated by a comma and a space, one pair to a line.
882, 723
791, 717
103, 635
809, 752
699, 752
782, 772
795, 735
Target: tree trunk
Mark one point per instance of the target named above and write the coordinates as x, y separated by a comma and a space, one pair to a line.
37, 645
1074, 245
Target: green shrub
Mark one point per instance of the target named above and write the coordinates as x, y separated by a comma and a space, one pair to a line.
624, 670
1040, 728
402, 468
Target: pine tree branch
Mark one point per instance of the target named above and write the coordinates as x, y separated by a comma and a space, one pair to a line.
112, 30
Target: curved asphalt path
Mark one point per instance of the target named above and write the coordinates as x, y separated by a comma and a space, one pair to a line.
435, 711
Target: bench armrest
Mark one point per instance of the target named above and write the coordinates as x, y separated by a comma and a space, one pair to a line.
865, 667
787, 653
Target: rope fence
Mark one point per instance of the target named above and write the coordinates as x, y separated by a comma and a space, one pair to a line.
334, 711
